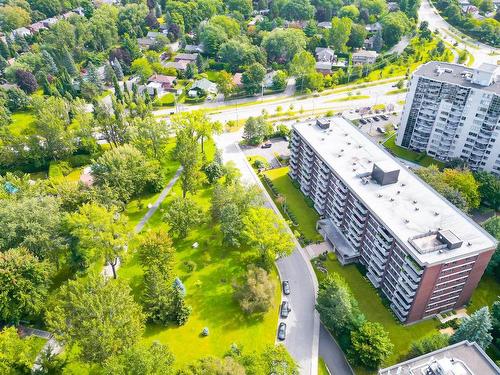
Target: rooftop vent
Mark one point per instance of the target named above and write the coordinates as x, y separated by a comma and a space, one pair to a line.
449, 238
416, 208
407, 221
379, 195
398, 192
436, 213
414, 202
392, 199
323, 123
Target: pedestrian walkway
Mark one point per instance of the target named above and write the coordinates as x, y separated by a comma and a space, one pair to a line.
315, 250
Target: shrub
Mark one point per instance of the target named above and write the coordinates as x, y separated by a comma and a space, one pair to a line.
190, 266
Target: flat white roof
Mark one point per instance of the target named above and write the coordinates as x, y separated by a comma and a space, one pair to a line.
394, 204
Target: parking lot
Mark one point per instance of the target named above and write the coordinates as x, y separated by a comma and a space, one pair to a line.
278, 146
376, 126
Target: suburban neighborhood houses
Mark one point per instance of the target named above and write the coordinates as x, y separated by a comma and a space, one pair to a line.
249, 187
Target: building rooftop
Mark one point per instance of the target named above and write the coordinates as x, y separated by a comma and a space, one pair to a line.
458, 74
463, 358
405, 204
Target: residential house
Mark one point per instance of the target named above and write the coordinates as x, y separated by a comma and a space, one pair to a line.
258, 18
191, 57
325, 55
368, 43
21, 31
167, 83
155, 88
194, 48
48, 22
364, 57
373, 27
36, 27
268, 79
324, 67
153, 34
203, 86
67, 15
180, 65
145, 43
325, 25
237, 80
392, 6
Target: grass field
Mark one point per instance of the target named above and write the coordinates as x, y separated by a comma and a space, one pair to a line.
409, 155
306, 216
209, 292
322, 369
349, 98
374, 310
487, 292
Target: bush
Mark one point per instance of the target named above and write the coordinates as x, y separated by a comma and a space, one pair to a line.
190, 266
256, 293
427, 344
80, 160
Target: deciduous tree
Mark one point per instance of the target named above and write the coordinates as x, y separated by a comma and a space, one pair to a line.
340, 32
182, 215
428, 344
256, 293
252, 78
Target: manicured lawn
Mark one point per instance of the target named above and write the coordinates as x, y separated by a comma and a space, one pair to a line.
322, 369
352, 97
306, 216
403, 153
252, 159
374, 310
209, 292
397, 91
487, 292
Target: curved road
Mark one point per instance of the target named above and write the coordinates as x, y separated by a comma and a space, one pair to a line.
482, 52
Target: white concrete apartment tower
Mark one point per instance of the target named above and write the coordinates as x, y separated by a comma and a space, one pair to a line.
451, 112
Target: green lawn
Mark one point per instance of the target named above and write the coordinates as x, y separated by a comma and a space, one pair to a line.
348, 98
396, 91
306, 216
487, 292
322, 369
209, 292
374, 310
403, 153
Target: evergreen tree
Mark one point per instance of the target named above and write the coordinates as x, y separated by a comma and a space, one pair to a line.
118, 90
118, 69
476, 328
200, 63
180, 311
3, 65
191, 70
378, 41
4, 50
68, 62
66, 82
109, 73
21, 41
44, 83
49, 63
93, 76
157, 297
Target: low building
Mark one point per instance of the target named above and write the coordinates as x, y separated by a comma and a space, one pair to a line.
145, 43
325, 25
368, 43
48, 22
167, 83
324, 67
364, 57
203, 86
36, 27
191, 57
237, 80
194, 48
392, 6
463, 358
374, 27
325, 54
21, 31
180, 65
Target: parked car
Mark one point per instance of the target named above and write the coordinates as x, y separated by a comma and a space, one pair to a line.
395, 127
376, 118
266, 145
380, 130
285, 309
282, 331
362, 121
368, 120
384, 117
286, 287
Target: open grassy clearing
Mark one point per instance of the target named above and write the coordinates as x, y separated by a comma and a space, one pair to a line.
374, 309
295, 200
403, 153
209, 292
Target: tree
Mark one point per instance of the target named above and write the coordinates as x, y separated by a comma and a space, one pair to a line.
370, 345
465, 183
252, 78
100, 233
117, 67
297, 10
13, 17
16, 353
180, 310
216, 366
140, 359
276, 360
182, 215
212, 36
157, 295
24, 284
349, 11
267, 233
428, 344
256, 129
155, 249
225, 83
26, 81
279, 80
126, 171
394, 26
97, 315
151, 136
282, 45
378, 41
256, 294
49, 62
339, 33
142, 68
476, 328
489, 188
337, 306
302, 64
67, 62
357, 36
236, 53
186, 152
34, 223
495, 321
492, 226
242, 6
93, 77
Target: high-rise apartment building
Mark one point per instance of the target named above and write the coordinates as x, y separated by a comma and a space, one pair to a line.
423, 253
451, 112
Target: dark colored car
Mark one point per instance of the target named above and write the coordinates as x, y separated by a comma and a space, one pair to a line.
384, 117
362, 121
380, 130
376, 118
285, 309
266, 145
282, 331
368, 120
286, 287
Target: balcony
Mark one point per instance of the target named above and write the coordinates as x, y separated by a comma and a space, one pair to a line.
373, 279
388, 238
398, 300
400, 314
410, 275
414, 265
362, 209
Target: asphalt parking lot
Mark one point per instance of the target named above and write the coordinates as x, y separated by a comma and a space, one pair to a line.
371, 126
279, 146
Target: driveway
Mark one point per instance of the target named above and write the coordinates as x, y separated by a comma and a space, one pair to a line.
302, 339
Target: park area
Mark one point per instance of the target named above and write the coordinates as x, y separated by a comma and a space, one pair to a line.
403, 153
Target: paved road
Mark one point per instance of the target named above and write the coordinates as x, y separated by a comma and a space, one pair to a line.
482, 52
302, 339
332, 354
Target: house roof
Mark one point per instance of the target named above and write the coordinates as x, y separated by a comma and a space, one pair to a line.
323, 65
194, 48
179, 65
205, 85
325, 25
163, 79
237, 79
365, 53
186, 56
